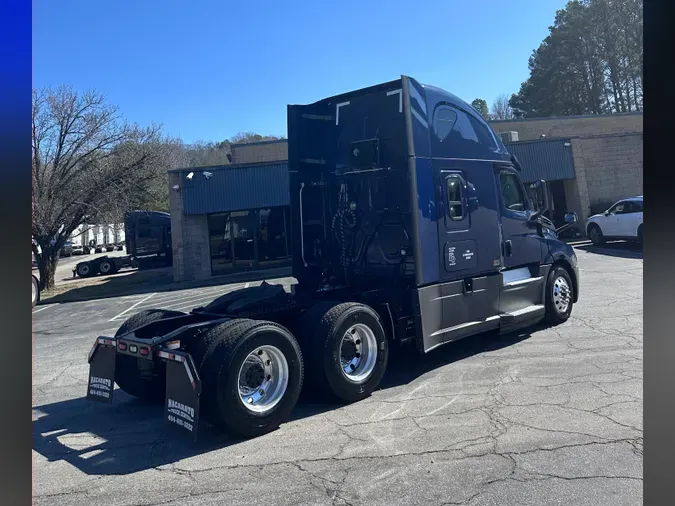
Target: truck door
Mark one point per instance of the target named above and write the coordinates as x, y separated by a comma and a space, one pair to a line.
465, 299
521, 244
523, 278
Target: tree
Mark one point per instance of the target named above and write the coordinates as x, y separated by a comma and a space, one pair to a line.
481, 106
501, 109
205, 154
248, 137
88, 165
590, 63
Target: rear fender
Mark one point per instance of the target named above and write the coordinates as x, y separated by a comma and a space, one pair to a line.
169, 328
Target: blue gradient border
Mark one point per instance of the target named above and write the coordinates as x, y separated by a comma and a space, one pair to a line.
15, 193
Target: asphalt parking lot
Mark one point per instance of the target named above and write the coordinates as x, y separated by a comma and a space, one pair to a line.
553, 416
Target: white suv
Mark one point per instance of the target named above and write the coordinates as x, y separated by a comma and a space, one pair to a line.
621, 221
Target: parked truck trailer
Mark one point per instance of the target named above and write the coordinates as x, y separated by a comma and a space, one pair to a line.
410, 222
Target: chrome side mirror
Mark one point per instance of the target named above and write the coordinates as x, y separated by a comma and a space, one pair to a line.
571, 218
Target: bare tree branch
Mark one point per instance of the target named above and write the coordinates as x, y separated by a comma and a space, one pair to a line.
501, 109
88, 164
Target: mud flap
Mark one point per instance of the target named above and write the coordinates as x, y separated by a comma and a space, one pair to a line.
102, 370
183, 389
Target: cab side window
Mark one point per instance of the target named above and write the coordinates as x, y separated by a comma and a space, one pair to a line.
618, 208
513, 197
628, 208
631, 207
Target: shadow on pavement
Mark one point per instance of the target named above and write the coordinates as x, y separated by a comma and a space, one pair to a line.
621, 249
150, 281
130, 436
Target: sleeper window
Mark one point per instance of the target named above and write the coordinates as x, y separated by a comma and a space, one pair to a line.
454, 187
444, 121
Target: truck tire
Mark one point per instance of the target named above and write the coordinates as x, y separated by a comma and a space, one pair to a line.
36, 291
106, 267
252, 375
559, 296
133, 375
595, 235
203, 348
346, 349
84, 270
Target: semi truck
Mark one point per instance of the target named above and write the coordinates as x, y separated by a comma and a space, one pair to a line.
147, 236
410, 222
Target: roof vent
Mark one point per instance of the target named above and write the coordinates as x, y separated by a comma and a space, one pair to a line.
509, 136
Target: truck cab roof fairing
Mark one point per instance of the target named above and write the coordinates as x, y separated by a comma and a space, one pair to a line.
470, 136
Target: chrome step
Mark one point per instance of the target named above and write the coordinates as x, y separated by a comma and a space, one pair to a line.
520, 313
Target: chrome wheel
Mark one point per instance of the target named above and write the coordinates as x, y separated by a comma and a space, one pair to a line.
358, 353
263, 378
105, 267
561, 295
83, 270
34, 292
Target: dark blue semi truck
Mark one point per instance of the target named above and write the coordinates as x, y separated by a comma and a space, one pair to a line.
147, 237
409, 223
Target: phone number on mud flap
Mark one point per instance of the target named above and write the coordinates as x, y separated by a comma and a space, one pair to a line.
99, 393
180, 421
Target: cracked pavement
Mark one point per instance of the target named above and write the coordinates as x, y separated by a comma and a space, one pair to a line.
548, 416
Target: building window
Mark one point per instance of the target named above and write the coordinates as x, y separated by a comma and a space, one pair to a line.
220, 242
249, 239
242, 226
273, 236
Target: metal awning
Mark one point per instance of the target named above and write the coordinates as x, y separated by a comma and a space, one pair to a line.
550, 160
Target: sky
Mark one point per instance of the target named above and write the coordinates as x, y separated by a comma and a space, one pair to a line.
207, 69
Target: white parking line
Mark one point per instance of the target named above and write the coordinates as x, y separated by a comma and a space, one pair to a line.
175, 301
129, 309
180, 300
185, 307
189, 302
178, 296
43, 308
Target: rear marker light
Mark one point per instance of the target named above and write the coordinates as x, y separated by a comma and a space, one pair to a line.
133, 349
145, 352
122, 346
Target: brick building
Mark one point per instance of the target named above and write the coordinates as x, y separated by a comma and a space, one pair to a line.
231, 218
235, 217
606, 156
259, 152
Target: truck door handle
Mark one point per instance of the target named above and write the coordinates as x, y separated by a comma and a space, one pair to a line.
508, 248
